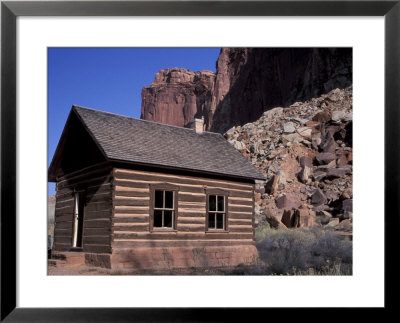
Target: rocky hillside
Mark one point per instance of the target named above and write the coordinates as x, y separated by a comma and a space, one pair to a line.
248, 81
305, 152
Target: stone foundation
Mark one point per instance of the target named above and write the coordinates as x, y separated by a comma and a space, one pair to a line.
69, 258
164, 258
183, 257
99, 260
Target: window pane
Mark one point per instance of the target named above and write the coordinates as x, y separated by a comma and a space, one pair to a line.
220, 221
168, 219
212, 203
169, 199
157, 218
158, 199
211, 220
221, 206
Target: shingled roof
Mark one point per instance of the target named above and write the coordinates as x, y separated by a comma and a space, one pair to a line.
127, 139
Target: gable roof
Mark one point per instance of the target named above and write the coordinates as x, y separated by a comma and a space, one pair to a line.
143, 142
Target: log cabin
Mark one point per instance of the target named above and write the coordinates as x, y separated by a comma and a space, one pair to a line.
136, 194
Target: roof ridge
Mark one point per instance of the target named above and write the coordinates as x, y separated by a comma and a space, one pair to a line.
138, 119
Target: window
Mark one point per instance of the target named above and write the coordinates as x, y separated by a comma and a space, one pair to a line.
163, 207
216, 213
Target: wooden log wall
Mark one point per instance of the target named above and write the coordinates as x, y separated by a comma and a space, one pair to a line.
96, 182
131, 204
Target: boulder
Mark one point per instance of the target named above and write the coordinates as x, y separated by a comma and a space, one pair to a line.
288, 218
325, 135
281, 177
243, 136
271, 185
332, 164
252, 131
316, 140
230, 132
287, 201
323, 217
237, 144
345, 226
333, 222
312, 124
322, 116
337, 172
305, 161
347, 205
305, 132
329, 146
348, 117
325, 158
347, 215
300, 120
347, 194
318, 198
331, 196
288, 127
293, 138
338, 115
333, 130
255, 147
273, 221
273, 112
344, 158
319, 175
260, 190
304, 174
322, 207
299, 218
306, 218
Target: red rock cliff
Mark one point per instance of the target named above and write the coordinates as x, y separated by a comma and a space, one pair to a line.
248, 82
177, 96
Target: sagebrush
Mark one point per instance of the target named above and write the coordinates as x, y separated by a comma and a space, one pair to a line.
315, 251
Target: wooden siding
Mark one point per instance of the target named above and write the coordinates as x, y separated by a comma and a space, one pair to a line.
131, 206
96, 182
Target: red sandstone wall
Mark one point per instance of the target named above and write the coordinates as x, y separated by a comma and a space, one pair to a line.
248, 82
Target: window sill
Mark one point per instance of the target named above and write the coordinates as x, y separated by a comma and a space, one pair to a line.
163, 230
217, 231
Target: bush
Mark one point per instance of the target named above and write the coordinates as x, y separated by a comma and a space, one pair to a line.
262, 231
304, 251
331, 249
282, 251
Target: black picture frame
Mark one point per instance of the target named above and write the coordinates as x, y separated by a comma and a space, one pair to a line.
10, 10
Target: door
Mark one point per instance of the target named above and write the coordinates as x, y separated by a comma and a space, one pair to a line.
79, 211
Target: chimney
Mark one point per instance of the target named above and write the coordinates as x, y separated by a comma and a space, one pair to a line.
196, 124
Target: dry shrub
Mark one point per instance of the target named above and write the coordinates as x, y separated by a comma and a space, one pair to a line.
304, 251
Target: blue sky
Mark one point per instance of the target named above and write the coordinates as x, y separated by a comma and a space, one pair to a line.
109, 79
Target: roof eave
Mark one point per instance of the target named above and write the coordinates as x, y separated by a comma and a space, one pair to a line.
191, 170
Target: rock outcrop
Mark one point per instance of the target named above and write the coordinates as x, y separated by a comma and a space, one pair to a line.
305, 152
177, 96
248, 82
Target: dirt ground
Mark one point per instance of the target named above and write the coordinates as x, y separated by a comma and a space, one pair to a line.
96, 271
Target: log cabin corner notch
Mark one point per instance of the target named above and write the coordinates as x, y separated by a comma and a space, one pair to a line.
135, 194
